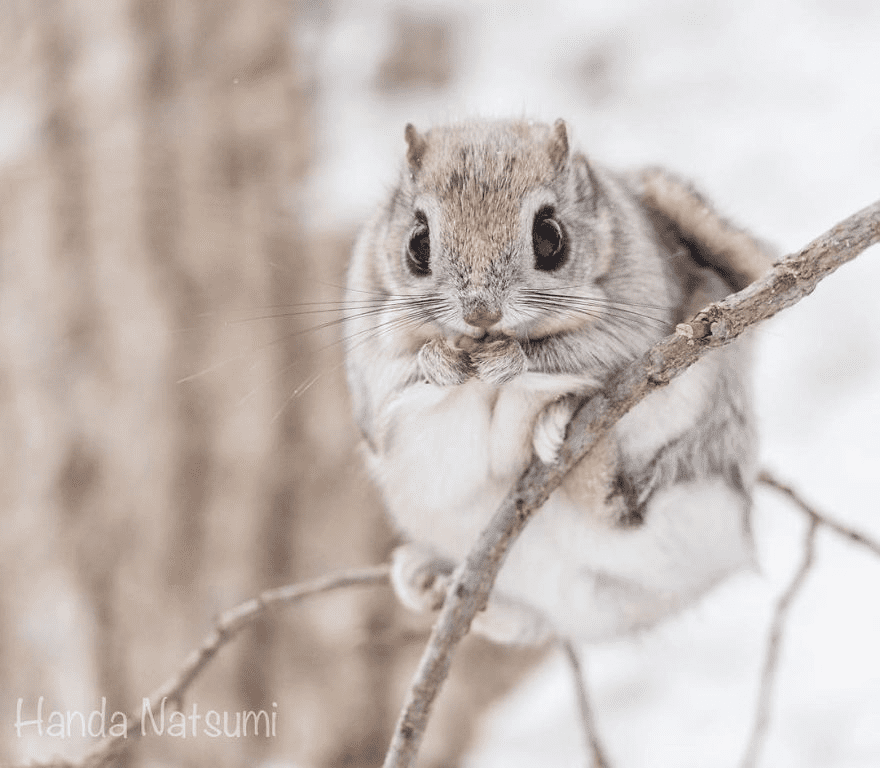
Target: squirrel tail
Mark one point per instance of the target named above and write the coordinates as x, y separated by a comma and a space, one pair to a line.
738, 257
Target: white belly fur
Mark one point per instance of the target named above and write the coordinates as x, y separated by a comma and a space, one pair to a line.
448, 455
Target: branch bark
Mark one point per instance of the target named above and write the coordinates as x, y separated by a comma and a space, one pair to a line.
791, 279
718, 324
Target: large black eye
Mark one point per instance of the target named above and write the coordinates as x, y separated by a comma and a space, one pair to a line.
418, 249
548, 241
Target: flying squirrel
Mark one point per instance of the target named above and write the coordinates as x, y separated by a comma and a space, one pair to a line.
503, 281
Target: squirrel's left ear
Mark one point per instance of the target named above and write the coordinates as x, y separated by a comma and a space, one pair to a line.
558, 145
416, 146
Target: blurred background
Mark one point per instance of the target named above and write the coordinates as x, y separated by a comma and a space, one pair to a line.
178, 178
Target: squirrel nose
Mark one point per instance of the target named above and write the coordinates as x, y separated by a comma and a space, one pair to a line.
481, 316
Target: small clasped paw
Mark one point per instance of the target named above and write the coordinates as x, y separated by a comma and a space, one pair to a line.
443, 364
499, 361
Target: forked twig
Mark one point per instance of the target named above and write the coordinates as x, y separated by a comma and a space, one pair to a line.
839, 528
783, 607
717, 325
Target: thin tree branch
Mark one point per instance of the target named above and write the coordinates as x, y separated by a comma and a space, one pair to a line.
839, 528
768, 676
718, 324
228, 625
598, 759
771, 661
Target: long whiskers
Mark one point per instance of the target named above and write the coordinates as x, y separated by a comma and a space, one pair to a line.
371, 317
304, 386
423, 307
413, 319
574, 290
559, 303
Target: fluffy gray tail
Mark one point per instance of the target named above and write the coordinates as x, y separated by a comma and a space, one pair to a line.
738, 257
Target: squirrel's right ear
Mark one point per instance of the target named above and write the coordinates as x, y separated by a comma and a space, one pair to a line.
416, 146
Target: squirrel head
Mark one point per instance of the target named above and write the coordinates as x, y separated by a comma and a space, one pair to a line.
495, 220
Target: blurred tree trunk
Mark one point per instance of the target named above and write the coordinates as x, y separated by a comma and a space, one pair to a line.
150, 187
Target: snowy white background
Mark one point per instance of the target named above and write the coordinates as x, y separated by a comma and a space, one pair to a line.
773, 108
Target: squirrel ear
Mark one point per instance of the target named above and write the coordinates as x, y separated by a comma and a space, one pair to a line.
558, 146
416, 147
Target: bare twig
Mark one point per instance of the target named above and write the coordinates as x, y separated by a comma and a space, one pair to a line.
597, 755
771, 661
228, 625
839, 528
768, 676
720, 323
717, 325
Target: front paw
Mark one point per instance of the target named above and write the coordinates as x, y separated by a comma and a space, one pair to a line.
549, 432
420, 578
499, 361
443, 364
